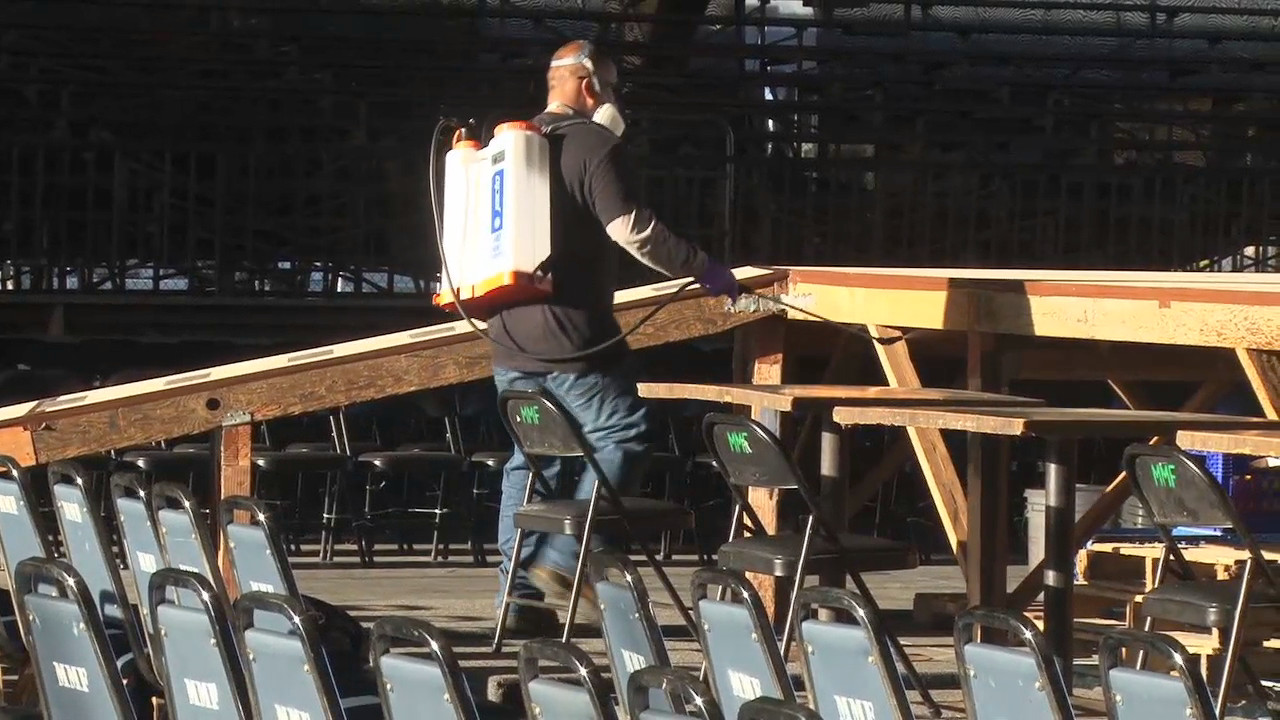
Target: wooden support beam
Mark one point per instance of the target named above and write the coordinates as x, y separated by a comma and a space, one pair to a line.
935, 461
1116, 493
310, 380
986, 547
1262, 370
763, 347
234, 477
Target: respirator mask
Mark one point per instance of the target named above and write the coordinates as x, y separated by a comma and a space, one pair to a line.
608, 113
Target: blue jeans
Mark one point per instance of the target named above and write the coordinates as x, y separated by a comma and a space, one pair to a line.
613, 420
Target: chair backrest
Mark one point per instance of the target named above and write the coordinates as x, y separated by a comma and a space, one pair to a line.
195, 644
766, 708
1132, 694
74, 666
737, 640
1176, 490
848, 667
748, 453
632, 635
185, 537
287, 674
1006, 682
139, 539
259, 562
22, 535
539, 425
88, 548
548, 698
414, 686
666, 682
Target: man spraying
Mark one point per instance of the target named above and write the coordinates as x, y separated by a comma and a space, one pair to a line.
594, 206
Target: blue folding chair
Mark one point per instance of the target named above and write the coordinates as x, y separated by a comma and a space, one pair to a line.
138, 537
74, 664
679, 688
1007, 683
203, 678
737, 639
88, 549
632, 636
288, 673
1134, 694
22, 535
548, 699
848, 668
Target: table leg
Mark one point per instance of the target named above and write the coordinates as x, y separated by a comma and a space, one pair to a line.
1059, 551
833, 472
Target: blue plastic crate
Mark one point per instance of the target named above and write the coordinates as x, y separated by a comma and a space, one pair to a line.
1223, 466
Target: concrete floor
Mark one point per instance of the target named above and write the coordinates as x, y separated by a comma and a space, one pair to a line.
458, 597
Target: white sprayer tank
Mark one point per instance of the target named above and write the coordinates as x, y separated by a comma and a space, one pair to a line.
497, 221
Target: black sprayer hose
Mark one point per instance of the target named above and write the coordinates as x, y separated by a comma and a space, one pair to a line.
447, 282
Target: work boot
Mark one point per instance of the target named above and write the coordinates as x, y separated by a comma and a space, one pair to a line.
556, 586
529, 621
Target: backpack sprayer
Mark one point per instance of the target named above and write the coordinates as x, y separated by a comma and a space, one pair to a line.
495, 232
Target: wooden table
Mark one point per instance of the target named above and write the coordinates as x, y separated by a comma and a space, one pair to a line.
1246, 442
769, 402
1061, 428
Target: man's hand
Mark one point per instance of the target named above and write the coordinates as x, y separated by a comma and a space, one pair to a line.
719, 280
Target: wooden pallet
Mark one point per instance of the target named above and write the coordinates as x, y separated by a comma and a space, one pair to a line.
1133, 565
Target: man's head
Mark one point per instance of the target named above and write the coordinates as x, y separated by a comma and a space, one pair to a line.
572, 82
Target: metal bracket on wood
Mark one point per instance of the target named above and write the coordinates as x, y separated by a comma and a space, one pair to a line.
237, 417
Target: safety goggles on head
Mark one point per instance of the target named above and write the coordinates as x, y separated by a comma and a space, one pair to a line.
607, 113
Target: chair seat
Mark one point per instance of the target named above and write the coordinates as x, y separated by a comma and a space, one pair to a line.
491, 459
168, 462
667, 462
779, 555
8, 713
1205, 603
413, 460
283, 461
567, 517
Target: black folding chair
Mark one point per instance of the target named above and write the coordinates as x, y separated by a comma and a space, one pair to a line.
542, 428
766, 708
75, 666
412, 686
198, 649
1135, 694
1008, 682
548, 699
848, 667
692, 698
1175, 490
632, 637
737, 640
749, 455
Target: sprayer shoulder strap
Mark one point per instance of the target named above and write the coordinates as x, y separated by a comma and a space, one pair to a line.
559, 125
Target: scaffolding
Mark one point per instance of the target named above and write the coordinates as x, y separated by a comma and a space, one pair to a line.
278, 148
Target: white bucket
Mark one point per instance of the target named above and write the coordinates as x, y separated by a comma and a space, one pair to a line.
1086, 495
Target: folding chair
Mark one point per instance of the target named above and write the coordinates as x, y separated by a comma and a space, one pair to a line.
75, 667
288, 674
185, 540
666, 682
766, 708
541, 428
749, 455
547, 699
412, 686
22, 536
203, 678
1003, 682
632, 636
138, 537
848, 668
1176, 491
88, 549
260, 563
737, 641
1133, 694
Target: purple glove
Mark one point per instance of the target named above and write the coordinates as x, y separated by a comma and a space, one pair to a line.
719, 280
